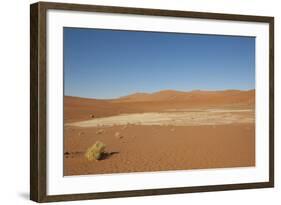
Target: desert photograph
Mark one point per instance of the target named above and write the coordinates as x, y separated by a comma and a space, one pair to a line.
141, 101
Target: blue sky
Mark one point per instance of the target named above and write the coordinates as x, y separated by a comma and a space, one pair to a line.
110, 63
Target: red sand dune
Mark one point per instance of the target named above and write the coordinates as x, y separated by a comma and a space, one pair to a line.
77, 109
197, 96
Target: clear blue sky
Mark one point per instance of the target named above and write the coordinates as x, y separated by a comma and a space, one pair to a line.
108, 64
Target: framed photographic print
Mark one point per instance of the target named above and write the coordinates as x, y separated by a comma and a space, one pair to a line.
133, 102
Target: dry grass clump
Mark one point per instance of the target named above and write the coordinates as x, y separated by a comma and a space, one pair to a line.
95, 151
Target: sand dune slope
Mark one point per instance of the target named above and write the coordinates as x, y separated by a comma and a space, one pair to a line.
78, 109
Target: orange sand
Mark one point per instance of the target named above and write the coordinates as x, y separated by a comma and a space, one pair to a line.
204, 140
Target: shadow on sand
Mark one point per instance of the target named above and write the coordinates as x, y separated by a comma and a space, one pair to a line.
107, 155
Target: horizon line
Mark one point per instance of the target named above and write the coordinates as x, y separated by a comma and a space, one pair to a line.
171, 90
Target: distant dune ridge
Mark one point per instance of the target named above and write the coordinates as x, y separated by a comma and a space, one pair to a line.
196, 95
247, 96
77, 109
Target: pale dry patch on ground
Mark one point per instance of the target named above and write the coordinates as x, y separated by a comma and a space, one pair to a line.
174, 117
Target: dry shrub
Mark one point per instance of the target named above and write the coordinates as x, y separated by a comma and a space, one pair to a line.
95, 151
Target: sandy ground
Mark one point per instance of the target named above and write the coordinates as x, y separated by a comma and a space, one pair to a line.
171, 136
158, 148
174, 118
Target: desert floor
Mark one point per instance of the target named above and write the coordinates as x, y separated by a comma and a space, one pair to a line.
170, 136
